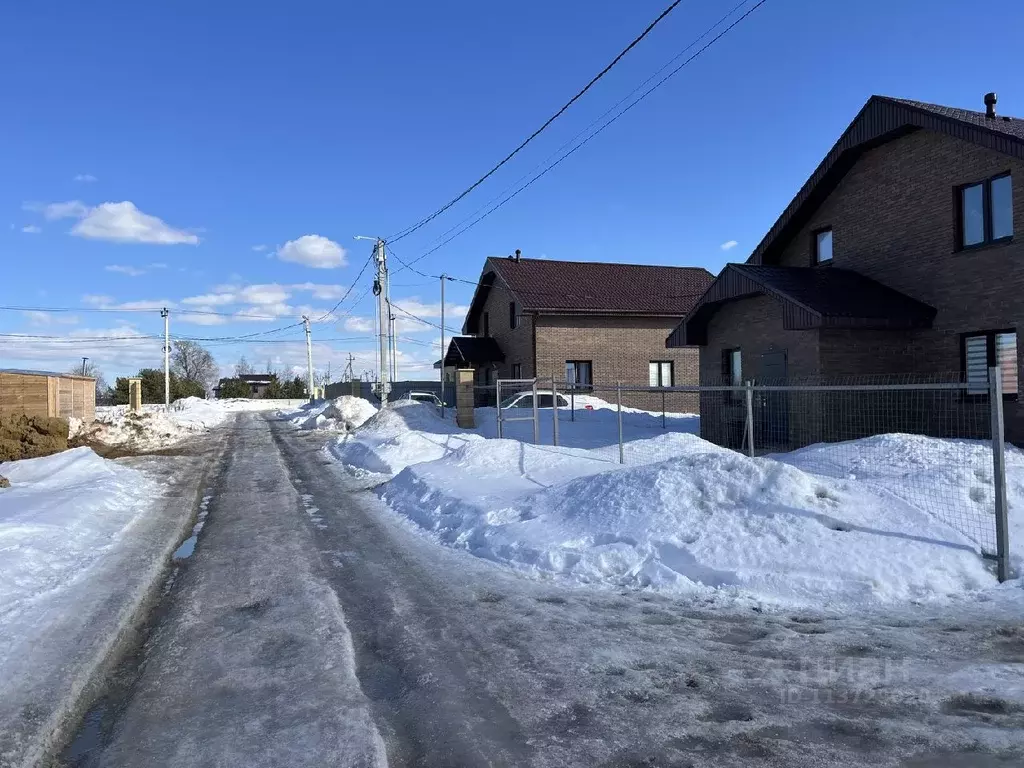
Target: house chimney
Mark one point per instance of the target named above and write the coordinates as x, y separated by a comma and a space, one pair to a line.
990, 105
519, 253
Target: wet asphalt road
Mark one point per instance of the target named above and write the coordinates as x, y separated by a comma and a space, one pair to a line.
313, 628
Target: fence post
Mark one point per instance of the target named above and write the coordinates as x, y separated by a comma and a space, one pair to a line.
554, 406
995, 396
536, 415
618, 404
572, 400
750, 418
497, 393
663, 409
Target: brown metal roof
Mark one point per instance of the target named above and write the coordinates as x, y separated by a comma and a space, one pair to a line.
880, 120
811, 297
473, 350
589, 287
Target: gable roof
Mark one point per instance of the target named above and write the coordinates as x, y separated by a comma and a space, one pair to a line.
589, 287
811, 297
472, 350
880, 120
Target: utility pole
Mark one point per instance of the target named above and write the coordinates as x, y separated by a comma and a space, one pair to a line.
384, 312
309, 356
443, 278
166, 315
83, 365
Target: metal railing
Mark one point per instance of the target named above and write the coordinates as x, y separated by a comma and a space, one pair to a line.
518, 385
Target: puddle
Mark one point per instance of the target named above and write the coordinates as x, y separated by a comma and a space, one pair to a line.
87, 740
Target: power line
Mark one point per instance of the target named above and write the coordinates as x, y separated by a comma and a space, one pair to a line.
409, 230
355, 282
420, 319
586, 140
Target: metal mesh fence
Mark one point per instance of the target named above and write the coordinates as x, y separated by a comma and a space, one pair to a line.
877, 431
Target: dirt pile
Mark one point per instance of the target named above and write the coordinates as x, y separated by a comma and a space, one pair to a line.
4, 482
28, 437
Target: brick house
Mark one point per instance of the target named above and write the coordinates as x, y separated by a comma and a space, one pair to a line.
595, 324
897, 256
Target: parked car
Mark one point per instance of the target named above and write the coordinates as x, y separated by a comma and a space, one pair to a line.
422, 397
545, 399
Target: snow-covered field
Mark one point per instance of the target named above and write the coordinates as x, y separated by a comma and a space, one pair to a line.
156, 427
832, 525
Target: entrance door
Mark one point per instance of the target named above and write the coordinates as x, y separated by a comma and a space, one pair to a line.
771, 421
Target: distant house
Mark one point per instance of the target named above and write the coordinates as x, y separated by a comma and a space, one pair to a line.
45, 393
899, 255
258, 383
593, 324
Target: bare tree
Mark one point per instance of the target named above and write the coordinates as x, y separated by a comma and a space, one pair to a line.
243, 368
193, 362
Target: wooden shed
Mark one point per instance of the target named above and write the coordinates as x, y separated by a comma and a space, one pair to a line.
44, 393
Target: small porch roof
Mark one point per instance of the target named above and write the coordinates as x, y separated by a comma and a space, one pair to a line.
811, 297
469, 351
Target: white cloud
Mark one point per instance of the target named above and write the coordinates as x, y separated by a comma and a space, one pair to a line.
211, 299
269, 293
97, 300
157, 265
39, 318
728, 245
199, 317
117, 222
321, 291
359, 324
313, 251
259, 248
86, 178
31, 229
125, 270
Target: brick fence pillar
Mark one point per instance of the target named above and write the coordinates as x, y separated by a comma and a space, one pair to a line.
464, 398
135, 395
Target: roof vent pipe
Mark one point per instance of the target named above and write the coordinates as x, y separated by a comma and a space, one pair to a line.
519, 253
990, 105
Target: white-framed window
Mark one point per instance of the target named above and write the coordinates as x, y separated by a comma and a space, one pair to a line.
985, 349
661, 373
823, 246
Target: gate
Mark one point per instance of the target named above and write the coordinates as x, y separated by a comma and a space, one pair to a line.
522, 396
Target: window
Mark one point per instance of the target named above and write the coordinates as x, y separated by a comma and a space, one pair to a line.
985, 212
517, 370
513, 315
986, 349
545, 401
526, 401
487, 324
579, 373
661, 373
732, 372
823, 246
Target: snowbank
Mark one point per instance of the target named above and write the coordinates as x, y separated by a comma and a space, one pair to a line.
706, 519
155, 427
405, 433
60, 515
344, 413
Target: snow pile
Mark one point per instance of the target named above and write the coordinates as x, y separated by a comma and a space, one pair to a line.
404, 433
155, 427
706, 519
60, 515
344, 413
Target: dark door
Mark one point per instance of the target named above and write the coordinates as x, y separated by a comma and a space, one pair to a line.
771, 417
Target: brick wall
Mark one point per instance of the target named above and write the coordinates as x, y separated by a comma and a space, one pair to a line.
621, 349
893, 218
516, 343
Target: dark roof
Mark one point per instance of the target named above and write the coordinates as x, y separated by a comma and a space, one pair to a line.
24, 372
880, 120
257, 378
472, 350
588, 287
811, 297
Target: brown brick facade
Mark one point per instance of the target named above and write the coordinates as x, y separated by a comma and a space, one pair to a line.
621, 347
893, 218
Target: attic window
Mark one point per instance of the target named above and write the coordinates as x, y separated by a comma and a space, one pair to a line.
823, 246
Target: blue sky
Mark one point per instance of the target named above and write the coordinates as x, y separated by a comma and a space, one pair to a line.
211, 159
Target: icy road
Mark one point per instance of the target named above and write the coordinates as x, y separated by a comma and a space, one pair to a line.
312, 627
